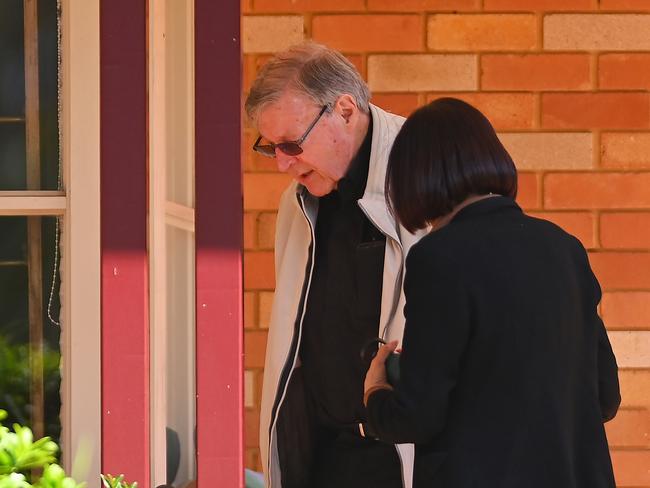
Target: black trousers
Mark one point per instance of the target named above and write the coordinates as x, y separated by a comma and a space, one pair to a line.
314, 457
350, 461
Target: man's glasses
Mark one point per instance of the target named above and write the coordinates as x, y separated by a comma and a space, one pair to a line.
290, 148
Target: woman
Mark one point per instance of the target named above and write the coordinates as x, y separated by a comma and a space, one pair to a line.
507, 374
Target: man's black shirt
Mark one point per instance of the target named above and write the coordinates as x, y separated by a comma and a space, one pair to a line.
342, 314
343, 306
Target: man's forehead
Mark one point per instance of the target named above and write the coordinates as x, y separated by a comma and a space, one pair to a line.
290, 103
285, 117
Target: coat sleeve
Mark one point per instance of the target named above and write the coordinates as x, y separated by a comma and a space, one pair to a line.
609, 394
435, 337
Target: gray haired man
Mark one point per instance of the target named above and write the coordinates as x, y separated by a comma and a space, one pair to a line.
339, 259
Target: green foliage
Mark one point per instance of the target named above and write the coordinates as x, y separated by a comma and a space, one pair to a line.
15, 381
14, 480
18, 451
20, 456
111, 482
54, 477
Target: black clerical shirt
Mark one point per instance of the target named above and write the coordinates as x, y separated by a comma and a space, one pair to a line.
343, 306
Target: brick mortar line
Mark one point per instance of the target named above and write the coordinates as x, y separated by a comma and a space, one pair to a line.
596, 229
256, 218
643, 251
425, 30
538, 112
593, 71
475, 13
540, 31
613, 329
625, 131
492, 52
596, 149
622, 211
364, 14
429, 51
632, 409
364, 68
256, 309
630, 250
630, 449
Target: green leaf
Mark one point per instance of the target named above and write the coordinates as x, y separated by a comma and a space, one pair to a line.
14, 480
117, 482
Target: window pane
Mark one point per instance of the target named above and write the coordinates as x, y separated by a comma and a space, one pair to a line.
181, 417
12, 59
27, 253
179, 102
13, 149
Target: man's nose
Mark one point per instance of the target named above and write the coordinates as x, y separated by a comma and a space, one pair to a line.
284, 161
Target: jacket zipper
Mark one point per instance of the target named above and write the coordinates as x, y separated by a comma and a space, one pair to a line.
289, 368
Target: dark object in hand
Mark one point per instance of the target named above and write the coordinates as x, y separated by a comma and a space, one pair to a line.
369, 351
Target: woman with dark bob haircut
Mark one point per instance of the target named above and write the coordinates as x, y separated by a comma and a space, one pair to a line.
506, 371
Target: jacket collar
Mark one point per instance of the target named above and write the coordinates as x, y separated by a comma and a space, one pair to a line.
373, 203
353, 184
486, 206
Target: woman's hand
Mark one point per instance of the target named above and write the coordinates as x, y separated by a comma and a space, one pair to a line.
376, 375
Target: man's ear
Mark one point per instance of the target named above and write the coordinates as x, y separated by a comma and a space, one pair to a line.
346, 107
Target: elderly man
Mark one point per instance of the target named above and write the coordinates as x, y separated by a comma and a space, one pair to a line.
339, 269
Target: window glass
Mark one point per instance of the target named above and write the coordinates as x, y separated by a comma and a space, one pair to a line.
29, 387
13, 78
181, 388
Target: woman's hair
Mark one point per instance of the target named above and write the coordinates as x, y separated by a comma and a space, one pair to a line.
311, 69
445, 152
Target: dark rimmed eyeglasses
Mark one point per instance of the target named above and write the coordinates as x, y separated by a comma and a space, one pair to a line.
290, 148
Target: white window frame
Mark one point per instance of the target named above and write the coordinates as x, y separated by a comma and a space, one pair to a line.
163, 212
79, 205
81, 267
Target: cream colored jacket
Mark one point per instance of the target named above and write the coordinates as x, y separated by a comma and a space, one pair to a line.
294, 251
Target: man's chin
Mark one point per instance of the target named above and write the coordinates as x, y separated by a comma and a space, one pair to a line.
319, 190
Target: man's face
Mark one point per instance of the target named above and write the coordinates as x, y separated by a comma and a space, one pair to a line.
328, 149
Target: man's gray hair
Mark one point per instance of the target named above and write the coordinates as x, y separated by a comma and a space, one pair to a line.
312, 69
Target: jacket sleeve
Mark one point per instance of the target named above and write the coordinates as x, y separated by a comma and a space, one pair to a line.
609, 394
435, 337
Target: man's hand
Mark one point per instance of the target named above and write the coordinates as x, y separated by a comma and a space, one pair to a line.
376, 375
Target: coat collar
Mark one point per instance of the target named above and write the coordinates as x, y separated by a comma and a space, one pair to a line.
353, 184
486, 206
373, 203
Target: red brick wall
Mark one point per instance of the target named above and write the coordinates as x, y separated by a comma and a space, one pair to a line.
566, 84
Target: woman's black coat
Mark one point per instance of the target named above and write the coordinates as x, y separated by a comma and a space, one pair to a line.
507, 374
